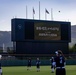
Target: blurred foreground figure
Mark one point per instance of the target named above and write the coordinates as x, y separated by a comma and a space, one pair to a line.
0, 66
60, 63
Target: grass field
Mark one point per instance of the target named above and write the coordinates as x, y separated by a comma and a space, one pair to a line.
45, 70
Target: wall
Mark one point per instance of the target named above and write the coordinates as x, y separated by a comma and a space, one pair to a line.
24, 62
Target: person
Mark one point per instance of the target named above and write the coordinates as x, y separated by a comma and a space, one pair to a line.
0, 66
0, 69
52, 64
29, 64
60, 63
38, 64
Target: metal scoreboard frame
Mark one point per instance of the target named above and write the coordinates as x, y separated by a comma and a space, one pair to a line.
40, 37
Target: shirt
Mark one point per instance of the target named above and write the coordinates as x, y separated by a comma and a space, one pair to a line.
60, 61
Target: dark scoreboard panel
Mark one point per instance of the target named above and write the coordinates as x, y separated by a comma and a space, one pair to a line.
39, 37
40, 48
40, 30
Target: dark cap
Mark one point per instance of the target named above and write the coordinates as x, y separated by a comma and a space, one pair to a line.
59, 52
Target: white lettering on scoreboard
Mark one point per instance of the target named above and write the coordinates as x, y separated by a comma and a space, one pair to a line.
46, 28
47, 31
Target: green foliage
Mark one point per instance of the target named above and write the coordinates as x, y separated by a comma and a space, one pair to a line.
73, 49
1, 51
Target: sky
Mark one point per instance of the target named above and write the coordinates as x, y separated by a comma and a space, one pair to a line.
62, 10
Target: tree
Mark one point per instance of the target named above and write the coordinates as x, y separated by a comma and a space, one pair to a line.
74, 48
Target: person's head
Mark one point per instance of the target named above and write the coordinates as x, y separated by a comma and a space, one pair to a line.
37, 58
52, 57
58, 53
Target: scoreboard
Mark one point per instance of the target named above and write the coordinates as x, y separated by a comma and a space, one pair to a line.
39, 30
40, 36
